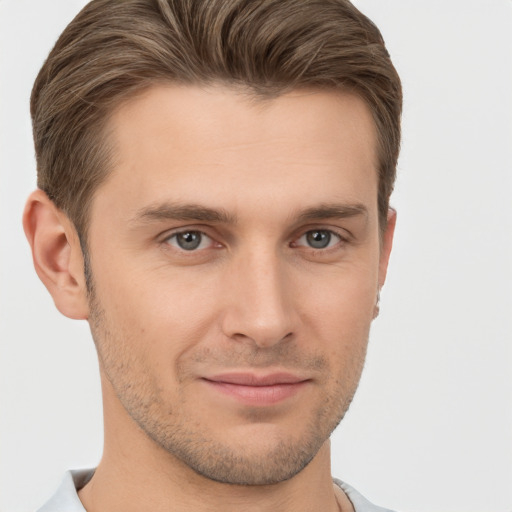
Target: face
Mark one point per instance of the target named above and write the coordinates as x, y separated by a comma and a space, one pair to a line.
235, 262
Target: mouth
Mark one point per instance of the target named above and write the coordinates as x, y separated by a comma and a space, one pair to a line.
252, 389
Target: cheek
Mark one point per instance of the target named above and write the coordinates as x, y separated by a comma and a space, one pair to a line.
343, 298
159, 314
338, 312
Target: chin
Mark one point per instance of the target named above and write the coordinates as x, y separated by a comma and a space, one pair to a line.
270, 466
259, 454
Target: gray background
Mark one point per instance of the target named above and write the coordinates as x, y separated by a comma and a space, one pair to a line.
431, 425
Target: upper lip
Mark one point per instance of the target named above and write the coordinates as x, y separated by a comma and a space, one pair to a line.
252, 379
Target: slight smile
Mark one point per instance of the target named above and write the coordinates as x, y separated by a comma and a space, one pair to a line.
255, 390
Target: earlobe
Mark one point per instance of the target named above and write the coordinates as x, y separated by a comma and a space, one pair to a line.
386, 246
56, 254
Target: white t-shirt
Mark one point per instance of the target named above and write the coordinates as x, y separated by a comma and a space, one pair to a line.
66, 498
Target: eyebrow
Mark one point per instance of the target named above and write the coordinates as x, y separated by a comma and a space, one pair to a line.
333, 211
183, 212
196, 212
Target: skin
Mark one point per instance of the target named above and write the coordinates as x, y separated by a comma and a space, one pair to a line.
255, 182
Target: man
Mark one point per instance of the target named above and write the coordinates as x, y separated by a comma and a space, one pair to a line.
214, 182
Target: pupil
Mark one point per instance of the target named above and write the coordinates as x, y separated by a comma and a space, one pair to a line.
319, 239
189, 240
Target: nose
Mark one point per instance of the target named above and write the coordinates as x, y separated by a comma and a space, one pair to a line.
259, 306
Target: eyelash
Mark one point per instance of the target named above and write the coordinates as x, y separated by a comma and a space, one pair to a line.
331, 233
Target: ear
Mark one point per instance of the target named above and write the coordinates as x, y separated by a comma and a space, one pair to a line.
386, 246
57, 254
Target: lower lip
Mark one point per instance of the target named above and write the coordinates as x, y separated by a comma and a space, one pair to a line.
258, 395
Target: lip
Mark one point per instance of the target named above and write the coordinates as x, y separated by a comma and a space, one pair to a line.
253, 379
253, 389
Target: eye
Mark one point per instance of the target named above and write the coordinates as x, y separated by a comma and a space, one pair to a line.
319, 239
189, 240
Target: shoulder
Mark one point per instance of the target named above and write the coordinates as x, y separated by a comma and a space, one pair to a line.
359, 502
66, 497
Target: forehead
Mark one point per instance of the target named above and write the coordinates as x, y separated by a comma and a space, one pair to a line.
197, 144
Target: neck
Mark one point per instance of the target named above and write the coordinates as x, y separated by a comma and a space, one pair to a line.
148, 485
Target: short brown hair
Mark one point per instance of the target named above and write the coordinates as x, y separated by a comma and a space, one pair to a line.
114, 49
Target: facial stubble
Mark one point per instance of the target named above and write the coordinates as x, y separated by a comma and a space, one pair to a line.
192, 442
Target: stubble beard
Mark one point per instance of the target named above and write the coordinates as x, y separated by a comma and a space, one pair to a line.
193, 444
280, 460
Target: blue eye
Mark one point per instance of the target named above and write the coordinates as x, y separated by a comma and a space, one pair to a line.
319, 239
189, 240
